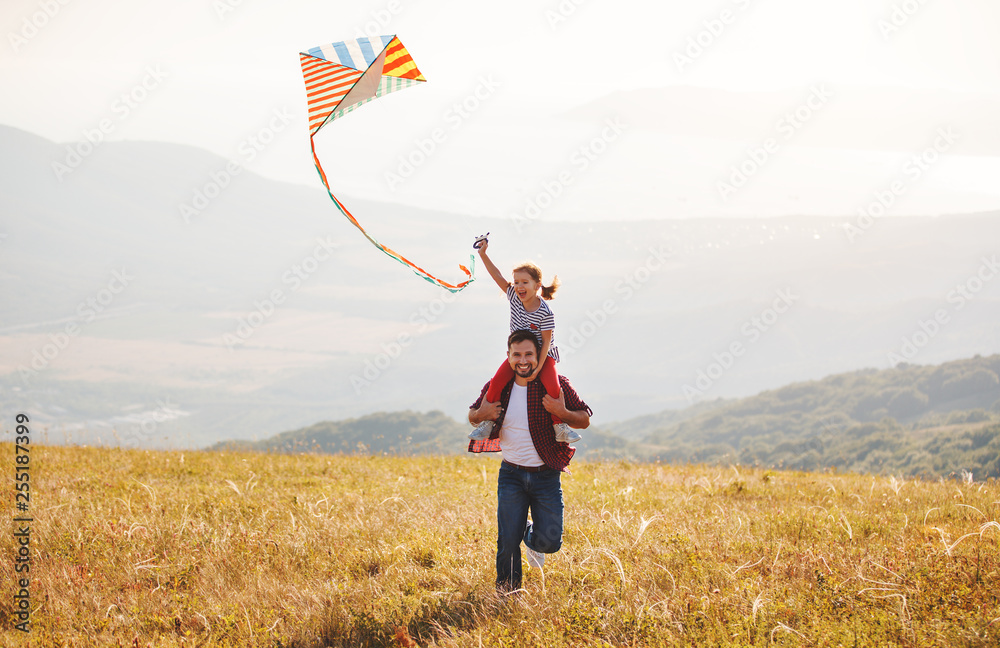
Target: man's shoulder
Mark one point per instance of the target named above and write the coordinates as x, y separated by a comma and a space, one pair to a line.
564, 384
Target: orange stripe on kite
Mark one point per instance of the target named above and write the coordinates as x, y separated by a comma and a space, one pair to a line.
402, 66
407, 71
326, 88
309, 61
327, 108
330, 68
333, 80
331, 73
311, 65
396, 60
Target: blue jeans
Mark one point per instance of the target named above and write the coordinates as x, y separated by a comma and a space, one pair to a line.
517, 493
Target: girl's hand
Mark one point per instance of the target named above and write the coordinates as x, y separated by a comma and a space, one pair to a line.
482, 247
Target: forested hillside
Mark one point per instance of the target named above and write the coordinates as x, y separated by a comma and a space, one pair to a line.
396, 433
915, 420
407, 434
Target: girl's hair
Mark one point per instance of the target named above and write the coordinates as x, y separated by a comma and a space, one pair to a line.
533, 271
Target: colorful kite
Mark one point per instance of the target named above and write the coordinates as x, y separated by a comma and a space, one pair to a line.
342, 76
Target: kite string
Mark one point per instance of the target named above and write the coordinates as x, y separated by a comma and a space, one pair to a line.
389, 252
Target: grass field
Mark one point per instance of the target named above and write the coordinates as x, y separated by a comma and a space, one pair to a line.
138, 548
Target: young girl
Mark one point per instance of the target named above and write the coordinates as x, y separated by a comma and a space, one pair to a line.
527, 312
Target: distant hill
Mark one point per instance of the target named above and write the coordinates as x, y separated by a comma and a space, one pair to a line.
395, 433
405, 434
918, 420
915, 420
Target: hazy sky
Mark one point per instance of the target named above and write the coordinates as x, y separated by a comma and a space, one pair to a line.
217, 72
557, 110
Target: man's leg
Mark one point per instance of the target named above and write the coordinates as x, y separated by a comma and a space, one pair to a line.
544, 534
512, 517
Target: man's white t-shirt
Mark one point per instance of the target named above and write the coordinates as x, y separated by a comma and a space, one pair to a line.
516, 445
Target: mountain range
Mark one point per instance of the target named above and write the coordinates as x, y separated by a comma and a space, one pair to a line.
133, 318
927, 421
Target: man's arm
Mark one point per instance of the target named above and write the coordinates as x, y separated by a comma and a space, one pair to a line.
482, 409
569, 406
486, 412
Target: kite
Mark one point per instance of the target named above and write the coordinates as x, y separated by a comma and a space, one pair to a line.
342, 76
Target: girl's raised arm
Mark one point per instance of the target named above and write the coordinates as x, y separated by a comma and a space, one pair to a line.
492, 269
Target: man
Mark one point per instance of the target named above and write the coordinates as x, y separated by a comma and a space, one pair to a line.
532, 459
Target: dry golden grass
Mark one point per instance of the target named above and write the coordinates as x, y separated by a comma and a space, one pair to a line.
212, 549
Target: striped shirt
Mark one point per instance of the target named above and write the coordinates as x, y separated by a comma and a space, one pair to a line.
541, 319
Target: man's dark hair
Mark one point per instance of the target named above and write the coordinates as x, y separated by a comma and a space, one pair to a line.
521, 336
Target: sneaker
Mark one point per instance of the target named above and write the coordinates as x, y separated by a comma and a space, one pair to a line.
481, 431
566, 434
535, 559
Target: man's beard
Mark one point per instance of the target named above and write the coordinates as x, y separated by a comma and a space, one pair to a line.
524, 373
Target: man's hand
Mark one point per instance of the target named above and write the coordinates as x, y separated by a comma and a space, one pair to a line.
578, 419
555, 406
487, 412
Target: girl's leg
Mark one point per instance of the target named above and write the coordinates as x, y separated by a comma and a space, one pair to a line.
550, 380
499, 381
493, 392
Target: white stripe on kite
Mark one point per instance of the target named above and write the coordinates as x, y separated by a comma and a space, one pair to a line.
356, 54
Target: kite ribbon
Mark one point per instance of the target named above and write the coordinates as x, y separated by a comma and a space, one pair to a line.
388, 251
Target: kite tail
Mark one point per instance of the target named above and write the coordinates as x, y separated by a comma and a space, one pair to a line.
392, 253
